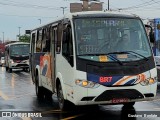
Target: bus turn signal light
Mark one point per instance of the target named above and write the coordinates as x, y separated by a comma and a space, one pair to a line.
151, 81
87, 84
148, 81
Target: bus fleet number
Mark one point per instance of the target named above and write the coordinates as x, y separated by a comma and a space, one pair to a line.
105, 79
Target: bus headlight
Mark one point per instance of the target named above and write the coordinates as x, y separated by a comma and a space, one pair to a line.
27, 61
148, 81
87, 84
11, 61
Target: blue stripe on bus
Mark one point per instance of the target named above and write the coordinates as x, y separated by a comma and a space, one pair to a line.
109, 80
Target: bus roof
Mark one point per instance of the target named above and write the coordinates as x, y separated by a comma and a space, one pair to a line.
101, 14
91, 14
16, 43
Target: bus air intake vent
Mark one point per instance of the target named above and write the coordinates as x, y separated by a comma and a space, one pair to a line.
125, 93
149, 95
87, 98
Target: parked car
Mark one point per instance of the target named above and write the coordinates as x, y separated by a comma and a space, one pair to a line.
2, 61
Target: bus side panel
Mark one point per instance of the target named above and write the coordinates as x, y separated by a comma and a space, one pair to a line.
36, 60
45, 71
7, 56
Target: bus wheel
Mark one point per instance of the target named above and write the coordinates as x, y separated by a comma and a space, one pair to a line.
26, 69
39, 90
63, 104
6, 68
129, 104
48, 94
9, 70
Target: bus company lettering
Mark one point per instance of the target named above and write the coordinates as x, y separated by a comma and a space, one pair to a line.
105, 79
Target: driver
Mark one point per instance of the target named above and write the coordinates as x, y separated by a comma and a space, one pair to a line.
124, 43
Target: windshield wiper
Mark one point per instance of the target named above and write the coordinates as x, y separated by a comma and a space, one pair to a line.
88, 55
110, 56
139, 55
114, 58
129, 52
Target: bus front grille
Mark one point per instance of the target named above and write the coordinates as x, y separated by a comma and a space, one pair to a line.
20, 65
125, 93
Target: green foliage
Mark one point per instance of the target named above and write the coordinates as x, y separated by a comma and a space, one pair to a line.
24, 38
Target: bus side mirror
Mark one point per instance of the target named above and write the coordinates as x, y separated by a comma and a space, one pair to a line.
27, 31
151, 37
150, 33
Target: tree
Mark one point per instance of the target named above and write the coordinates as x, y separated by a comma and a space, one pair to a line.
24, 38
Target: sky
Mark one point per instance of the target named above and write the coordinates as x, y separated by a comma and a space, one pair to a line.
16, 16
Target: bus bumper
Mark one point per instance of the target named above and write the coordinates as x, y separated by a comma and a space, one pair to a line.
19, 66
114, 95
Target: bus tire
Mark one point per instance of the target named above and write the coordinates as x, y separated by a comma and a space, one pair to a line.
129, 104
26, 69
39, 90
9, 70
6, 68
63, 104
48, 94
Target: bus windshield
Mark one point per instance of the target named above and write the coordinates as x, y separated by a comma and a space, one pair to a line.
19, 50
104, 36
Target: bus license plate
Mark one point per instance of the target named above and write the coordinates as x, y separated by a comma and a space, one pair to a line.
119, 100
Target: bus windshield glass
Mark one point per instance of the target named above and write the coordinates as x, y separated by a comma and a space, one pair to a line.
104, 36
19, 50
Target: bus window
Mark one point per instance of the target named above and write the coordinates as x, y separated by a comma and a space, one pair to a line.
67, 48
44, 37
33, 42
46, 40
38, 42
58, 40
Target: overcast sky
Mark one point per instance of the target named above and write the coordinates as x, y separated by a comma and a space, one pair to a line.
17, 15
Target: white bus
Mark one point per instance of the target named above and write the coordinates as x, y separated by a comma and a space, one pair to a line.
17, 56
79, 57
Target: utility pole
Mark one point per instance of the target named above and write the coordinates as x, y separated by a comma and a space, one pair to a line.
108, 4
63, 9
3, 37
19, 31
39, 21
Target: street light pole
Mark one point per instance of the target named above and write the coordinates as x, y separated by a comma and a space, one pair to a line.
108, 4
39, 21
19, 31
3, 37
63, 9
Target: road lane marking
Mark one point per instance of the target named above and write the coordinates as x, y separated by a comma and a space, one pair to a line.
72, 117
26, 118
15, 75
52, 111
156, 100
25, 73
5, 97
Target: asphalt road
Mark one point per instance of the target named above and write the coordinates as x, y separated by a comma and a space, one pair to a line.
17, 97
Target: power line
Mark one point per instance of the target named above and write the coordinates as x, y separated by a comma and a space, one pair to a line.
28, 5
142, 5
156, 2
24, 16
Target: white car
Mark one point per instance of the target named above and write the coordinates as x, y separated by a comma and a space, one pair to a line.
2, 61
